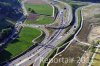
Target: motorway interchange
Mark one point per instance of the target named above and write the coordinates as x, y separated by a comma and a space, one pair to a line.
33, 57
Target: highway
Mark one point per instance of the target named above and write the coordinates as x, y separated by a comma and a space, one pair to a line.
54, 43
38, 48
41, 51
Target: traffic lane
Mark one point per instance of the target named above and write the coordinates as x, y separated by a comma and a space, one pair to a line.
34, 58
42, 56
26, 55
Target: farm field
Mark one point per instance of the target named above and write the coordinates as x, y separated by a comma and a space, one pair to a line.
96, 61
43, 9
20, 44
42, 19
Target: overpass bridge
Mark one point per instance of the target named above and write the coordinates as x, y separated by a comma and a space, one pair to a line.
46, 46
57, 27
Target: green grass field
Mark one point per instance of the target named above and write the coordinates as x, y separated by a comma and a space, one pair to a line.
41, 20
40, 8
97, 15
21, 44
96, 61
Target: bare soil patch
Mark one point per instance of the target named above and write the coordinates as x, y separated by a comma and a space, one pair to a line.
32, 16
82, 36
94, 34
36, 1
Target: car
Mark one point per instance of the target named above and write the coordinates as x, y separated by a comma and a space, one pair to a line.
64, 8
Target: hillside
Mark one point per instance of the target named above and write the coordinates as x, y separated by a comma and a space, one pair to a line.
10, 12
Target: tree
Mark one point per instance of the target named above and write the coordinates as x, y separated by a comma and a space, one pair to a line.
29, 9
32, 11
